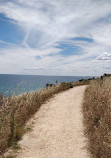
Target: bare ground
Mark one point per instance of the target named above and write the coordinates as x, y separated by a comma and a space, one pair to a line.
57, 129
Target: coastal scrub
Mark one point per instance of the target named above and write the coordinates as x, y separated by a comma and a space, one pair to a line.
97, 117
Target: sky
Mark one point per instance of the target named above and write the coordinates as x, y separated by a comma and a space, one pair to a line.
55, 37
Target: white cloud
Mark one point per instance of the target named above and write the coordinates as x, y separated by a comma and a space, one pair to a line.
105, 56
48, 23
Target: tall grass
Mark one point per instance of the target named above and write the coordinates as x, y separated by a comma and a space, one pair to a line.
97, 117
16, 110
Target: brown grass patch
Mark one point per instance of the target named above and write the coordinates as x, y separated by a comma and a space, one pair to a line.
97, 118
81, 83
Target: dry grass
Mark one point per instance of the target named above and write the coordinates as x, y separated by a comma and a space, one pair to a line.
80, 83
16, 110
97, 117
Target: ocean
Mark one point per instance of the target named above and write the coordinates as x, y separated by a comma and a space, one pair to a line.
18, 84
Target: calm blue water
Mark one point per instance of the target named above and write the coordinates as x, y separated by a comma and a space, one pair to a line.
16, 84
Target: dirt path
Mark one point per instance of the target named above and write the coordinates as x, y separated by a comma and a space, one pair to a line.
57, 129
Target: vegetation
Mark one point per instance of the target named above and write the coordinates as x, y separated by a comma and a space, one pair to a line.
15, 111
107, 75
97, 117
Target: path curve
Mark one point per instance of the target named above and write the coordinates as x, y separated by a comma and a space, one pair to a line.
57, 129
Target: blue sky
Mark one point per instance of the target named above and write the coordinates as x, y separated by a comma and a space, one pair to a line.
55, 37
9, 31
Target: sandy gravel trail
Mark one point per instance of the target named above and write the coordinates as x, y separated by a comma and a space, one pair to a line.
57, 130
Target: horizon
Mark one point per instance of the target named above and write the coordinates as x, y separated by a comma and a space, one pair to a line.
47, 75
55, 38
